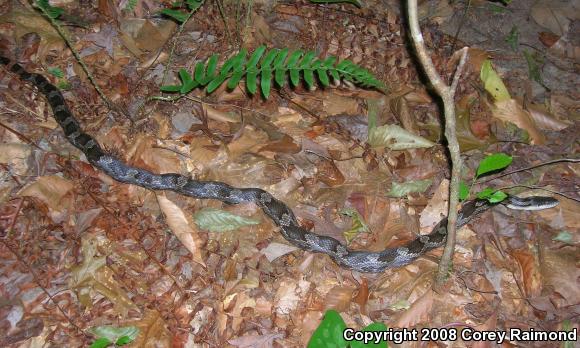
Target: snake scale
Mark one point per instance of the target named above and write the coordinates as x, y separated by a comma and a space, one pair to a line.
280, 213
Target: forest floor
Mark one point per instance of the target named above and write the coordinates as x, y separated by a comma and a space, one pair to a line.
85, 257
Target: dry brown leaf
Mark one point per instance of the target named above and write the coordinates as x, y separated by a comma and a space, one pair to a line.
256, 341
512, 111
328, 173
419, 311
159, 160
436, 208
362, 295
93, 275
26, 20
529, 272
50, 190
284, 145
334, 104
289, 294
16, 156
153, 331
555, 15
544, 119
560, 271
242, 301
565, 216
338, 298
181, 227
275, 250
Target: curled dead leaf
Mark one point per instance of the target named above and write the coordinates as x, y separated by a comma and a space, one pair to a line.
181, 227
511, 111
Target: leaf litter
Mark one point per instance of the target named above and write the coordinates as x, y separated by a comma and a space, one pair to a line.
114, 255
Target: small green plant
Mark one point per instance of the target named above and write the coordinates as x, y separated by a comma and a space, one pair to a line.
330, 333
131, 4
513, 39
108, 335
49, 11
277, 64
62, 82
489, 164
181, 11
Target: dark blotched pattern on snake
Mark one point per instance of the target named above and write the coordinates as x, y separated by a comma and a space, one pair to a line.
282, 215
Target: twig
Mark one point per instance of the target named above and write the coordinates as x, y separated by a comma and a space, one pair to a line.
447, 94
79, 60
175, 40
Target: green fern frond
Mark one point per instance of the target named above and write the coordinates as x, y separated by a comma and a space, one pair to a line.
276, 64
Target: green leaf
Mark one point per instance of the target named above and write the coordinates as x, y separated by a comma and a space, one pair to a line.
294, 59
496, 197
185, 76
334, 74
216, 220
309, 78
50, 11
295, 77
188, 83
199, 72
329, 62
280, 77
463, 191
123, 340
280, 58
194, 4
235, 79
358, 224
493, 83
211, 69
564, 237
175, 14
307, 59
485, 193
215, 83
255, 57
251, 82
113, 334
56, 72
170, 88
266, 82
492, 163
513, 38
401, 190
323, 77
329, 332
100, 343
371, 328
269, 58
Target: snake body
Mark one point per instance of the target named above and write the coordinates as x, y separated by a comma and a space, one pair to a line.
280, 213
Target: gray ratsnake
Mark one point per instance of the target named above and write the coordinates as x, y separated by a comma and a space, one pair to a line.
280, 213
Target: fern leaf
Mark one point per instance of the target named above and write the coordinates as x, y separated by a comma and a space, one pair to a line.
264, 65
